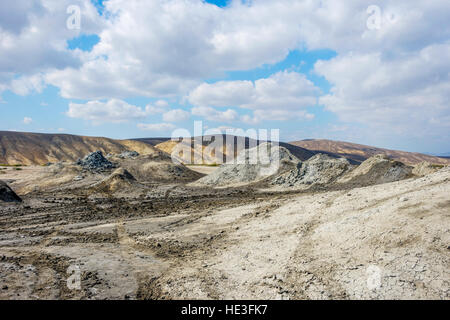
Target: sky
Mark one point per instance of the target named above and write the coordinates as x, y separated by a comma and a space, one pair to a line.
375, 73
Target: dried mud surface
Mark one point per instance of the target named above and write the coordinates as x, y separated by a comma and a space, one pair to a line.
173, 241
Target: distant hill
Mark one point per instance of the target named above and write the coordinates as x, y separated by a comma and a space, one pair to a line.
151, 141
39, 148
230, 143
360, 152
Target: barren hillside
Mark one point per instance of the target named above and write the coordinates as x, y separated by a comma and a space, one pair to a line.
230, 143
40, 148
359, 152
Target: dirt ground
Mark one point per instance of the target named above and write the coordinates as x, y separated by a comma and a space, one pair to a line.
388, 241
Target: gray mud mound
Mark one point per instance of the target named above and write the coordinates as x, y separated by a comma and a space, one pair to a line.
318, 170
376, 170
424, 168
158, 167
129, 155
119, 180
95, 162
124, 155
251, 166
7, 194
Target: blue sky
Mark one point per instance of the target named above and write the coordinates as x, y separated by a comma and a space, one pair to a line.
137, 69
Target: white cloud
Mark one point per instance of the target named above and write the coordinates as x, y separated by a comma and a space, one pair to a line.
113, 110
241, 36
279, 97
222, 93
24, 85
33, 37
276, 115
286, 90
27, 120
156, 126
407, 95
176, 115
214, 115
159, 106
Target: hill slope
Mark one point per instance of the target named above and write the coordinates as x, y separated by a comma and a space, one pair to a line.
40, 148
360, 152
230, 144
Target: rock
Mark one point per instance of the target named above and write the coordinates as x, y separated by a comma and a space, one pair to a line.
424, 168
319, 169
252, 165
95, 161
376, 170
128, 155
7, 194
119, 180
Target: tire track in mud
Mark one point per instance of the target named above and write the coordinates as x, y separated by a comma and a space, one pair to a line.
193, 270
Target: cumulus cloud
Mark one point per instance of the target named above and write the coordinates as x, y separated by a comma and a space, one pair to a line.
24, 85
283, 89
27, 120
176, 115
276, 115
212, 114
159, 106
113, 110
156, 126
241, 36
33, 40
278, 97
407, 95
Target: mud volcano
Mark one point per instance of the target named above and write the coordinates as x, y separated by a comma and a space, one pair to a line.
7, 194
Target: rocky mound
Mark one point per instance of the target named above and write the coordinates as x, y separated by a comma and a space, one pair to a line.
252, 165
376, 170
95, 162
424, 168
320, 169
128, 155
7, 194
119, 180
158, 167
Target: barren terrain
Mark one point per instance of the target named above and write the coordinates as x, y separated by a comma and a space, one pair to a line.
359, 152
168, 240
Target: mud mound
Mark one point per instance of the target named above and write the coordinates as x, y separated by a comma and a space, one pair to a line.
252, 165
158, 167
424, 168
320, 169
7, 194
376, 170
95, 161
119, 180
116, 158
128, 155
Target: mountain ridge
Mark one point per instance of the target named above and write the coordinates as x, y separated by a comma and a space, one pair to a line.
360, 152
28, 148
